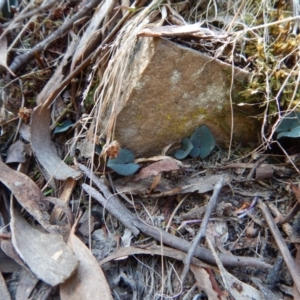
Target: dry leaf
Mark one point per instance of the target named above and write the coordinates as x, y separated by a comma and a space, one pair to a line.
25, 132
203, 184
44, 150
65, 197
46, 254
165, 165
204, 283
264, 172
58, 76
91, 34
26, 285
4, 294
8, 248
240, 290
27, 193
157, 158
217, 231
7, 265
155, 183
174, 30
17, 152
153, 250
3, 55
88, 282
189, 185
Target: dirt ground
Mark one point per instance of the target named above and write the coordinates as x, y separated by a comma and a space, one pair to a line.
82, 219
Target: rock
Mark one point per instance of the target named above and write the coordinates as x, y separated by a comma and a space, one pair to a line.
170, 90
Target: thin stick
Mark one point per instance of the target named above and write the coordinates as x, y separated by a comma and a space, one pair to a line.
175, 211
20, 60
117, 209
202, 230
290, 262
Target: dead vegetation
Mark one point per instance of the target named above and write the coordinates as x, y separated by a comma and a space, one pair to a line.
225, 227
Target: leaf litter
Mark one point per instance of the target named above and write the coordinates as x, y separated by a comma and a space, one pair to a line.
87, 54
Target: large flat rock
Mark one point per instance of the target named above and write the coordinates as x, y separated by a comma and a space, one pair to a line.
170, 90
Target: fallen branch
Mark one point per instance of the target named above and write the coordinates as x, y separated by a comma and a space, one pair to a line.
116, 208
291, 265
201, 233
22, 59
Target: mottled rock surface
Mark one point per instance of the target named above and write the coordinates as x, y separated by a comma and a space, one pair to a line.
169, 90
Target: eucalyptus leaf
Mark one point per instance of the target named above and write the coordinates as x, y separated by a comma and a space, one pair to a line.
64, 126
294, 133
123, 163
289, 122
184, 151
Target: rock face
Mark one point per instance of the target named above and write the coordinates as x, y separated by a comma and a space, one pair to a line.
170, 90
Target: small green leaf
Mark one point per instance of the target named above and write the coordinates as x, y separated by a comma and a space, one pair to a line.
98, 149
186, 147
195, 152
203, 141
294, 133
125, 169
64, 126
207, 141
123, 163
48, 192
125, 156
289, 122
196, 137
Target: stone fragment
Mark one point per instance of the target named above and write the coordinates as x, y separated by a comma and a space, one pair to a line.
169, 90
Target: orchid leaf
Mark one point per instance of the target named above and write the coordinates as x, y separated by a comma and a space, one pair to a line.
207, 141
184, 151
123, 163
289, 122
63, 127
195, 152
203, 141
294, 133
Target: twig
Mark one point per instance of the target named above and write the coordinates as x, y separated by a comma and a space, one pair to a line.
34, 12
202, 230
290, 215
22, 59
94, 55
116, 208
175, 211
293, 268
256, 165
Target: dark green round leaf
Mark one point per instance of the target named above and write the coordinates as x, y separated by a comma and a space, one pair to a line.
124, 169
289, 122
207, 141
123, 164
64, 126
196, 137
294, 133
98, 149
195, 152
186, 147
125, 156
203, 141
